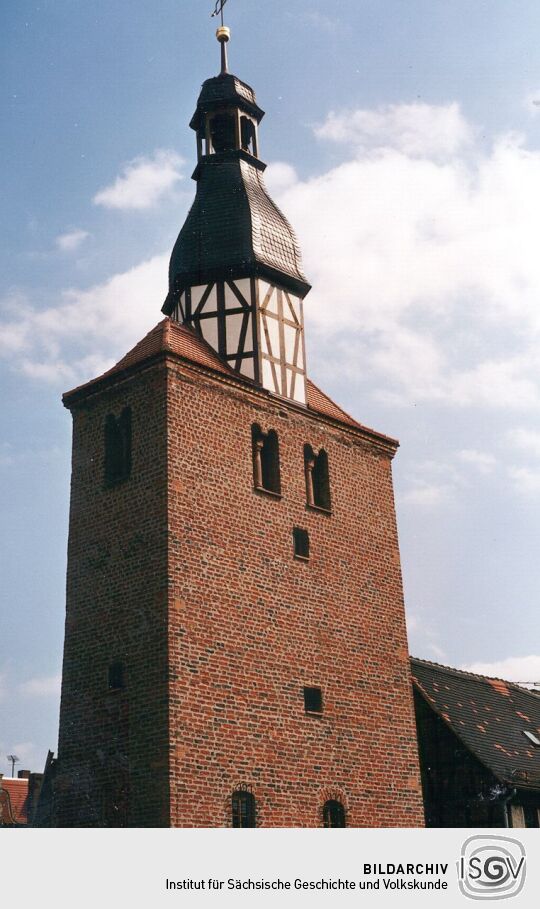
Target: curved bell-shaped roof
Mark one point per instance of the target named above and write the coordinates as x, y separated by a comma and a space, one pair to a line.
234, 229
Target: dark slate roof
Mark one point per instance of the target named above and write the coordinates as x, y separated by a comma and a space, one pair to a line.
489, 716
233, 229
224, 90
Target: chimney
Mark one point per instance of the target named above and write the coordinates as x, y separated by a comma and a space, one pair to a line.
23, 775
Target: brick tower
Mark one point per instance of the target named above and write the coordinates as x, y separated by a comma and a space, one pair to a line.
235, 647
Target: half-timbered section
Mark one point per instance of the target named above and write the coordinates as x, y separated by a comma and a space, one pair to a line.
256, 327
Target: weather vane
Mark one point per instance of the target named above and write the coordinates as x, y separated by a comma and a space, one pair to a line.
219, 9
222, 34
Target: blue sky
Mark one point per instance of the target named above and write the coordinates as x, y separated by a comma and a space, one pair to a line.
403, 141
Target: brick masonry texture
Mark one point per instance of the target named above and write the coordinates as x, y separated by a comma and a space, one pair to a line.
186, 573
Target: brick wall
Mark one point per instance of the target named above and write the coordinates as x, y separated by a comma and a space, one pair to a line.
113, 744
229, 620
250, 626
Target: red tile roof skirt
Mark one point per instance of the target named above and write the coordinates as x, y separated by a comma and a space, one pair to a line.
169, 336
18, 795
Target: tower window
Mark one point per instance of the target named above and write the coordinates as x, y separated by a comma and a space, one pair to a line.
317, 479
248, 135
265, 450
333, 814
301, 543
222, 133
116, 677
243, 809
118, 446
313, 700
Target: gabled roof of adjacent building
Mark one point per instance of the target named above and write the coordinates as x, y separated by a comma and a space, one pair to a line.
14, 808
491, 717
170, 337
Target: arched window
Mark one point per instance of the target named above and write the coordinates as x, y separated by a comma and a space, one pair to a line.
333, 814
243, 809
118, 446
317, 479
265, 451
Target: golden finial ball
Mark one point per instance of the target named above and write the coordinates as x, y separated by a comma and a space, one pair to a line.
223, 33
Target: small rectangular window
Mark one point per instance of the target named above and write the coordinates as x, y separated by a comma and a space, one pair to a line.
313, 700
301, 543
116, 676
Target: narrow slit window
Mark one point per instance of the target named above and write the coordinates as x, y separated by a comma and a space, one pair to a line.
243, 809
116, 677
248, 135
118, 447
301, 543
265, 450
333, 814
317, 478
313, 702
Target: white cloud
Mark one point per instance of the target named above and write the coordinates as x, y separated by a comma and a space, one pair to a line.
483, 461
422, 636
279, 176
43, 686
524, 669
89, 329
413, 129
143, 182
432, 483
527, 440
425, 271
426, 494
526, 480
71, 240
426, 267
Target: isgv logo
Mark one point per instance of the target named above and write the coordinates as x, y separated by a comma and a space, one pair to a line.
491, 867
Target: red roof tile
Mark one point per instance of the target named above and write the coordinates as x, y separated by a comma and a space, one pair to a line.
169, 336
17, 791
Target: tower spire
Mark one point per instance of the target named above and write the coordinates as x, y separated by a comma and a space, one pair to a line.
222, 34
235, 274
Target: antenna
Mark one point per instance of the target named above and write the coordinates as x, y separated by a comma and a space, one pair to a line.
14, 760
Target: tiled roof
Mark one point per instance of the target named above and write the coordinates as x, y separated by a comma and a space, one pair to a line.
490, 717
169, 336
17, 802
